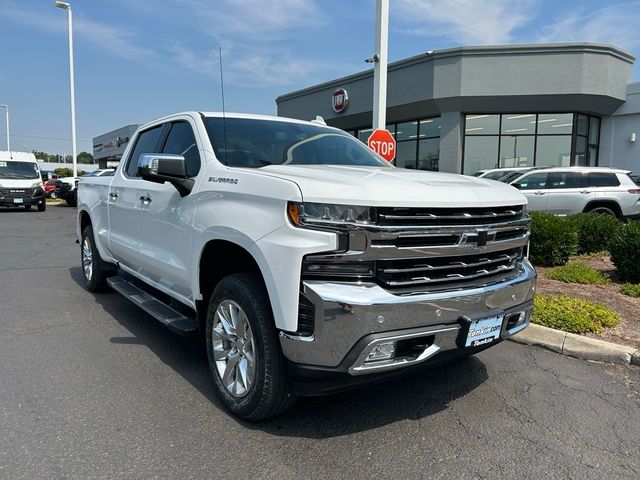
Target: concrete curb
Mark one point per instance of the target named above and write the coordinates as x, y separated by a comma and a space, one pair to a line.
578, 346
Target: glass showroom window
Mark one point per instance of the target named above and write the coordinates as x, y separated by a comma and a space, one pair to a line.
417, 143
523, 140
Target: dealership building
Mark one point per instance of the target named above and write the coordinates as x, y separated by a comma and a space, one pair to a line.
109, 147
471, 108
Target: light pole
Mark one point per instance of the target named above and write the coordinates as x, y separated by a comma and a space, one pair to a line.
67, 6
379, 61
8, 142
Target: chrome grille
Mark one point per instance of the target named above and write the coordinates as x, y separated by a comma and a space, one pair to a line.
447, 216
416, 250
447, 272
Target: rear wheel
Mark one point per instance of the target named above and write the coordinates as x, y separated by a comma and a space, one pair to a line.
245, 360
95, 270
601, 210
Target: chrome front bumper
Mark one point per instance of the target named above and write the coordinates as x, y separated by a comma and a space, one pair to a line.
352, 319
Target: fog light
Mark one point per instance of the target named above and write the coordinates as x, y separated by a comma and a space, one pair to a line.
382, 351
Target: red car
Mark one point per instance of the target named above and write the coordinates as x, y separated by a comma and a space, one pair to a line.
50, 188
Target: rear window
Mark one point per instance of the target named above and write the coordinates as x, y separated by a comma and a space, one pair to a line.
254, 143
565, 180
598, 179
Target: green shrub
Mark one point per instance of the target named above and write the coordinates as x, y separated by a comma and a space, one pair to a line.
595, 232
625, 250
571, 314
577, 272
553, 239
630, 289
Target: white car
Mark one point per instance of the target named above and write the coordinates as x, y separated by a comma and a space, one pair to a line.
307, 262
500, 173
568, 190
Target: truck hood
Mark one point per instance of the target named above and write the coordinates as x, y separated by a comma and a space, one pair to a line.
397, 187
18, 182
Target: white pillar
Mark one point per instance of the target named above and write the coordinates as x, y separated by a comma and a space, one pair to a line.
73, 98
380, 65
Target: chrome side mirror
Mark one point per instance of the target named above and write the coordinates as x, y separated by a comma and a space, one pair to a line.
161, 168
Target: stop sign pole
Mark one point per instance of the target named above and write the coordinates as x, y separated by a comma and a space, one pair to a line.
380, 65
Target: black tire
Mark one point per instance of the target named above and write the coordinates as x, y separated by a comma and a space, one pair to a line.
96, 279
27, 207
269, 394
42, 206
603, 211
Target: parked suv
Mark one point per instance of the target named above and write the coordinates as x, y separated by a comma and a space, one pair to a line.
501, 173
567, 190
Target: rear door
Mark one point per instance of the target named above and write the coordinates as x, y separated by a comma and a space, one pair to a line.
566, 193
534, 187
166, 217
124, 200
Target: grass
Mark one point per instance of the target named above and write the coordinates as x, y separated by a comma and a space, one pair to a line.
571, 314
630, 289
591, 256
577, 272
54, 200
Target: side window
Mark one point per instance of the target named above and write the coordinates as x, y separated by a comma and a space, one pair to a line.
565, 180
535, 181
597, 179
147, 143
181, 141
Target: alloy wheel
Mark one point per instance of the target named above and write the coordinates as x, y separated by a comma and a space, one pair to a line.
233, 348
87, 258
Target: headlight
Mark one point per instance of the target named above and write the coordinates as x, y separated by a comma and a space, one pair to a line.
325, 214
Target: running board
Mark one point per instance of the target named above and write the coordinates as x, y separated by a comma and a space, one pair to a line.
166, 315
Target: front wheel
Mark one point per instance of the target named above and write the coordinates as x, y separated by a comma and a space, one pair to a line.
248, 368
94, 268
42, 206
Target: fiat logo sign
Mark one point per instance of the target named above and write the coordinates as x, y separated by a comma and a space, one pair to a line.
339, 100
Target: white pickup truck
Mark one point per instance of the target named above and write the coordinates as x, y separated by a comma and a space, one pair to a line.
309, 264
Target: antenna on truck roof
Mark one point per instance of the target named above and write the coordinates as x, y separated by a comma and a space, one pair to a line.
224, 118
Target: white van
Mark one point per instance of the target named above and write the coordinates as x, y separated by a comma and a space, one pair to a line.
20, 181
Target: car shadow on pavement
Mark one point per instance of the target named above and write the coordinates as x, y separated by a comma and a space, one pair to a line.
411, 397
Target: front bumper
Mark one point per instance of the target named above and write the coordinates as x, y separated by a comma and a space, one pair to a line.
352, 319
37, 198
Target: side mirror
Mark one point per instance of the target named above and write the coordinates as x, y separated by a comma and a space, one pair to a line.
161, 168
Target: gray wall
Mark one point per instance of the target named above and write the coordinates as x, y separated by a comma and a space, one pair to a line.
616, 148
111, 145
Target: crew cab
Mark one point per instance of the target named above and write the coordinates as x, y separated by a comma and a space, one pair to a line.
308, 263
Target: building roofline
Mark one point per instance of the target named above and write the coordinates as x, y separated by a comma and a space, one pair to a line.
521, 49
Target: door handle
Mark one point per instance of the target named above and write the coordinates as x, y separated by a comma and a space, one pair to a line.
113, 195
585, 191
145, 199
539, 193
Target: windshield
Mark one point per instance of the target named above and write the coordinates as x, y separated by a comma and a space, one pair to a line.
241, 142
18, 170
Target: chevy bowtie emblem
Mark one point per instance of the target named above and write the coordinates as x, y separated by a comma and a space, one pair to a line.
480, 238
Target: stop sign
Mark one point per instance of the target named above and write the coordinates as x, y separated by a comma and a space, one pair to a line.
383, 143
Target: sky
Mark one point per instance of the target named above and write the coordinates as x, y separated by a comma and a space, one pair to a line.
137, 60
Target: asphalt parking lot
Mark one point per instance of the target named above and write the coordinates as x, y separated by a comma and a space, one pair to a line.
92, 387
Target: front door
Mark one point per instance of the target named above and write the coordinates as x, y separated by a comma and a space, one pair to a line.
124, 201
534, 187
166, 218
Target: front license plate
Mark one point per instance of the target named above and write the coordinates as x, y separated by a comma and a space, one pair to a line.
484, 331
18, 200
